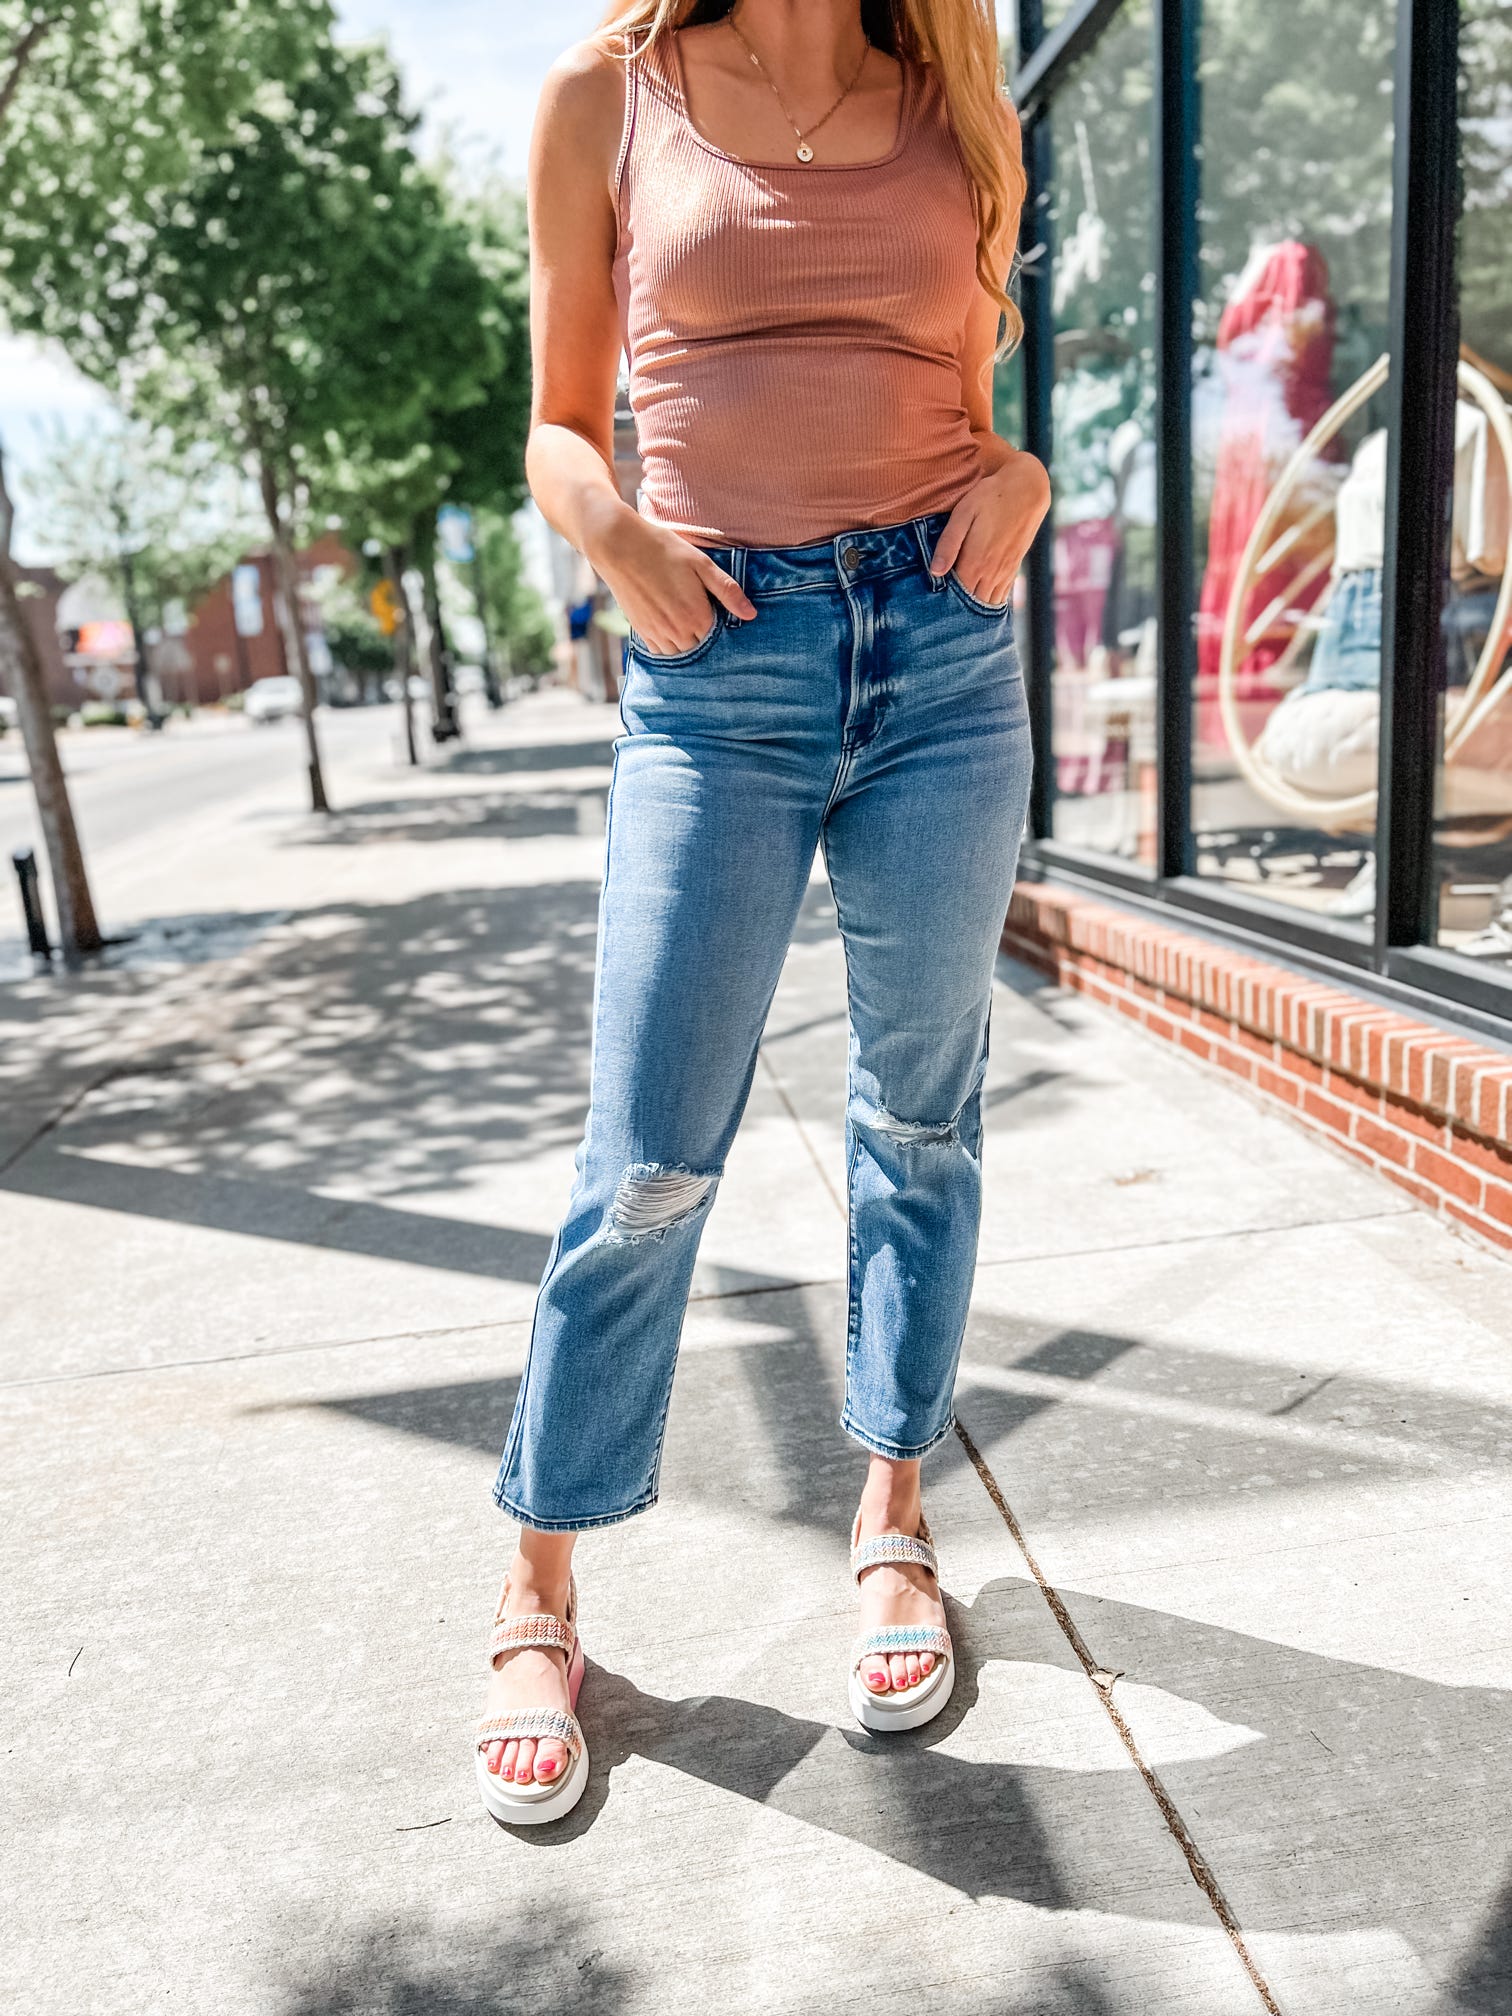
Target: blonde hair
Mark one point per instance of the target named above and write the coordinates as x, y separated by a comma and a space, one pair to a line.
959, 38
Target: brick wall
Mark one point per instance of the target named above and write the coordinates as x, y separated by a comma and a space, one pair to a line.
1430, 1111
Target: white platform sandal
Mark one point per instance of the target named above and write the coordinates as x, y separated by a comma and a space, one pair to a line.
915, 1705
534, 1804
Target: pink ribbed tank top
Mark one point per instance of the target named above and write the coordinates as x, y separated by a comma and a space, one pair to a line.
794, 334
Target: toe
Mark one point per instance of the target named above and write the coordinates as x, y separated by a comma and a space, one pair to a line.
551, 1760
495, 1756
525, 1766
899, 1666
511, 1759
926, 1664
875, 1677
913, 1669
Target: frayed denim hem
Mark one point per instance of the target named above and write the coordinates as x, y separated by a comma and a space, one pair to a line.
571, 1525
893, 1450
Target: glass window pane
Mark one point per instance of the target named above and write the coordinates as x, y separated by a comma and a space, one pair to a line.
1103, 468
1473, 800
1295, 231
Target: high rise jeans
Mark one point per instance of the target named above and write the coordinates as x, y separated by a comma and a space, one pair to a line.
878, 712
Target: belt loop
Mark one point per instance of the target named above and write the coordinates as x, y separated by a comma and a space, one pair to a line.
936, 581
737, 570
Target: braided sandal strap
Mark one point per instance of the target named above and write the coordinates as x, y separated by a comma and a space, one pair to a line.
901, 1547
552, 1633
902, 1638
514, 1634
544, 1724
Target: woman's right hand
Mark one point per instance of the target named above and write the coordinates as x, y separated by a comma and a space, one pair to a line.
664, 583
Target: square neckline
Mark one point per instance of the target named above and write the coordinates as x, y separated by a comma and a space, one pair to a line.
905, 121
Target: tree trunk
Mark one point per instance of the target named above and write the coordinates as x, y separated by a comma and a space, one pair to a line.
287, 581
404, 656
138, 643
21, 665
447, 726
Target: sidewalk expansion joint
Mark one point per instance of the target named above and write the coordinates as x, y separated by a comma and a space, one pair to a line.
1196, 1861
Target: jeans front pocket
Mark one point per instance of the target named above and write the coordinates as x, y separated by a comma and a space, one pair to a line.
992, 609
661, 660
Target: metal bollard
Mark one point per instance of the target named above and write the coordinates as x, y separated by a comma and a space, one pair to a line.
25, 862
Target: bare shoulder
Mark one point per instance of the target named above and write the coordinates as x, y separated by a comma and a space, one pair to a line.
582, 102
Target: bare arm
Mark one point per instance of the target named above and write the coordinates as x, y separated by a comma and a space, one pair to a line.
661, 581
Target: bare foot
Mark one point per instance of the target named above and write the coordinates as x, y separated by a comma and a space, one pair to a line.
534, 1677
895, 1592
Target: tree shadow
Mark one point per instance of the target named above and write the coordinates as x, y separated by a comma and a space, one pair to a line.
411, 1968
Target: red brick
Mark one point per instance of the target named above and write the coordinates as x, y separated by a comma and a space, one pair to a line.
1424, 1192
1492, 1112
1193, 1040
1492, 1158
1158, 1024
1486, 1227
1278, 1085
1452, 1177
1263, 1046
1402, 1113
1351, 1091
1299, 1065
1240, 1062
1327, 1112
1439, 1068
1496, 1202
1386, 1142
1216, 1025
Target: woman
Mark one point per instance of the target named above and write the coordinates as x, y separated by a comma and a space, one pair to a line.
796, 217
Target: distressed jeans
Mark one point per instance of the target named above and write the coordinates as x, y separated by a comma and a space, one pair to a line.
878, 712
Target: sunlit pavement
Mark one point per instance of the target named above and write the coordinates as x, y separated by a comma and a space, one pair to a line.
278, 1184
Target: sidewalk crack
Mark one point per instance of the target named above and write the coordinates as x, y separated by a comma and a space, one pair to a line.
1196, 1861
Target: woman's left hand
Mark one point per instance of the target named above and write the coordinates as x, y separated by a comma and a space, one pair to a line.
992, 527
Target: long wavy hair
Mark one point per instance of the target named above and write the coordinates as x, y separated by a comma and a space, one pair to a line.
959, 37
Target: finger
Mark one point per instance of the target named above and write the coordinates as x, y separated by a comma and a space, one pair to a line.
952, 538
725, 588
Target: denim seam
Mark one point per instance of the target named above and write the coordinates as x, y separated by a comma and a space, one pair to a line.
573, 1525
896, 1452
936, 583
852, 1281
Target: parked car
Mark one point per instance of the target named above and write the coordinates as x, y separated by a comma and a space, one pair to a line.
273, 699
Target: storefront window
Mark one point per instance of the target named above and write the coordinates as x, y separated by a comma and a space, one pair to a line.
1103, 468
1473, 798
1289, 458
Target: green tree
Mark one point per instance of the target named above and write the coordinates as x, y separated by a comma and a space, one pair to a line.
316, 306
102, 103
516, 615
160, 525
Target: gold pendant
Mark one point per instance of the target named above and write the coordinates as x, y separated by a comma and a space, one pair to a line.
805, 152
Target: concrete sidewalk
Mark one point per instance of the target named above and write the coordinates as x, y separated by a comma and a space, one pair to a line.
273, 1208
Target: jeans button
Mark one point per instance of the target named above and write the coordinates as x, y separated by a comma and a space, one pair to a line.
852, 556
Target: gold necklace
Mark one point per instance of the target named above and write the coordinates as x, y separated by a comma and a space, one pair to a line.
805, 152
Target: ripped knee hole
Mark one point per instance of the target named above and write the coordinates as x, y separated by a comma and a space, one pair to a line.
652, 1200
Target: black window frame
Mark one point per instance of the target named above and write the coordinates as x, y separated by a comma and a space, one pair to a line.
1397, 960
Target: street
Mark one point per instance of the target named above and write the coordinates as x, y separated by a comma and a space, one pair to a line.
140, 798
1223, 1536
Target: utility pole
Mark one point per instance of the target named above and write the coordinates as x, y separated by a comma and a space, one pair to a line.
22, 666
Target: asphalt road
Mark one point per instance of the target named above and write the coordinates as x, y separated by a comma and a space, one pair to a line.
128, 786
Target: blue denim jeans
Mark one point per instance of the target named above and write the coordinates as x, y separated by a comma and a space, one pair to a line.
877, 712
